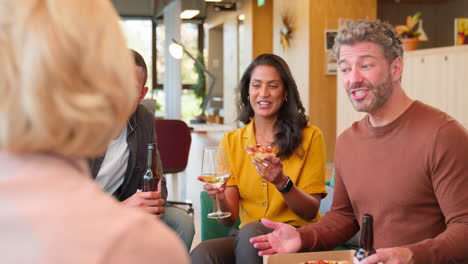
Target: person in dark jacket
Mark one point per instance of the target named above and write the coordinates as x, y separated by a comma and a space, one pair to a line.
119, 171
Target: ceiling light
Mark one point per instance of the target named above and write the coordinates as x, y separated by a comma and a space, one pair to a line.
189, 13
241, 17
213, 0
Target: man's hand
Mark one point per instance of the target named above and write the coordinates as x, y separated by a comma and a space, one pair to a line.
390, 256
150, 201
284, 239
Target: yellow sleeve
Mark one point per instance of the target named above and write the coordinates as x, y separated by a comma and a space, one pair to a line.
311, 178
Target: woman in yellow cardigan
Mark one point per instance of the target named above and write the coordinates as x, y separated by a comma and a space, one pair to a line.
287, 187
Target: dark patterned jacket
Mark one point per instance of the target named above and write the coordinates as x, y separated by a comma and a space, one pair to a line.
140, 132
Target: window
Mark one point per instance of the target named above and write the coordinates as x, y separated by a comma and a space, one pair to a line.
139, 38
138, 33
189, 34
160, 38
189, 38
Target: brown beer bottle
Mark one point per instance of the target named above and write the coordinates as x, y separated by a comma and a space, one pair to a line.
366, 241
152, 176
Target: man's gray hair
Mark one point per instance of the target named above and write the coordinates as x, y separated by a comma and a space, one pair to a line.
376, 31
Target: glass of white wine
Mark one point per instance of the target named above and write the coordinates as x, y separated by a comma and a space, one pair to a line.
215, 171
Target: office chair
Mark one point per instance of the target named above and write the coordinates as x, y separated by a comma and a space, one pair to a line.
174, 142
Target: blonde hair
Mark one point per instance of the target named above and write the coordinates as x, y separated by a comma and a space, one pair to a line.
67, 82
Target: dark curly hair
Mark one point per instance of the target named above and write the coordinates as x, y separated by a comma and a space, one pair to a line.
291, 116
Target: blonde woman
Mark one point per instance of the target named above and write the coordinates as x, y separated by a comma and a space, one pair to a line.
67, 88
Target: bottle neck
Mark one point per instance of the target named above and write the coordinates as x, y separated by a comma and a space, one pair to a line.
367, 234
149, 161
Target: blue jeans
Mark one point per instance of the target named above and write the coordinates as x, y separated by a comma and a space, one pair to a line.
181, 222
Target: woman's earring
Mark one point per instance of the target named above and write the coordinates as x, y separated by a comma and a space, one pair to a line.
248, 97
285, 99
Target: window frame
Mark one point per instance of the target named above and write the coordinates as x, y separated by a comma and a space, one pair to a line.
200, 45
153, 44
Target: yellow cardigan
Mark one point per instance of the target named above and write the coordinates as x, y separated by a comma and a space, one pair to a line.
259, 198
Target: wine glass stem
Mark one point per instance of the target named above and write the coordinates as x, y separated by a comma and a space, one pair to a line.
218, 207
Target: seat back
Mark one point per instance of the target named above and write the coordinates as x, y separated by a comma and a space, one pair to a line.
211, 228
174, 141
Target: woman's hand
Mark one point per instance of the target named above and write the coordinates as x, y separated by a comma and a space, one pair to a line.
271, 169
304, 205
213, 190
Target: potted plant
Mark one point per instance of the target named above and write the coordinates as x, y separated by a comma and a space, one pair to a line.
410, 32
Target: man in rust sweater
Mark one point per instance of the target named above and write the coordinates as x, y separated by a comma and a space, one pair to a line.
405, 163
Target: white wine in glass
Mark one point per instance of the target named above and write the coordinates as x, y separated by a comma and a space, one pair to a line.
214, 179
215, 171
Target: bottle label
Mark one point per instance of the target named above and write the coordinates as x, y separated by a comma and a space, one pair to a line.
150, 183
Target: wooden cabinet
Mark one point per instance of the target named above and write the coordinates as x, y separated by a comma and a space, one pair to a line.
414, 1
426, 79
457, 97
438, 77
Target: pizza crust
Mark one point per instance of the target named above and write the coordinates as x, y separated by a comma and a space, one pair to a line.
327, 262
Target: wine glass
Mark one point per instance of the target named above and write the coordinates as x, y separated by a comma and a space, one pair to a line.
215, 172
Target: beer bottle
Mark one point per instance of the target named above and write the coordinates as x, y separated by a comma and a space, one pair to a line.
366, 241
152, 176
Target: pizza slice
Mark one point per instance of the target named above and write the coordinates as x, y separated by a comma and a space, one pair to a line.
258, 151
327, 262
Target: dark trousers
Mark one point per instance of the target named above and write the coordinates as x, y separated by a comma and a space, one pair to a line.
235, 249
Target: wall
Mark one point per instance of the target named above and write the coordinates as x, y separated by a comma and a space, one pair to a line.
257, 39
262, 28
216, 60
324, 14
231, 67
229, 22
298, 52
438, 18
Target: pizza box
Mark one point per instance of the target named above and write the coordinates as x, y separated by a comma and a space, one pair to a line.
299, 258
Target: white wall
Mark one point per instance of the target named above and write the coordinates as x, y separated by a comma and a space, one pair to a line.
297, 56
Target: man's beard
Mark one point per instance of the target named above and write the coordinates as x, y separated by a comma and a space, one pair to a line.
380, 92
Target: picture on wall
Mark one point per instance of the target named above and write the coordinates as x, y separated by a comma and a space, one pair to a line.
461, 31
331, 65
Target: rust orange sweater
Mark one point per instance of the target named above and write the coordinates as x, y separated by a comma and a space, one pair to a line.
412, 176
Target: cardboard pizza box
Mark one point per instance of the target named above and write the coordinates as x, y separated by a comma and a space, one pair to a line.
299, 258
